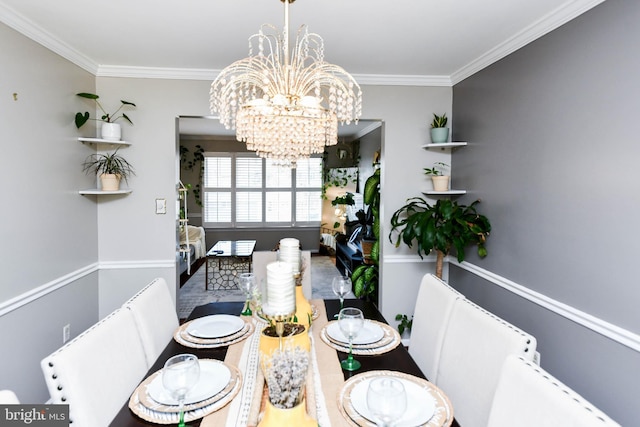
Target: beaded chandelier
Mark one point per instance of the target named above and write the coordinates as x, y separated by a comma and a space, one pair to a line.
285, 105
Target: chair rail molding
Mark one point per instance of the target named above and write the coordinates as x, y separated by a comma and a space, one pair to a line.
45, 289
609, 330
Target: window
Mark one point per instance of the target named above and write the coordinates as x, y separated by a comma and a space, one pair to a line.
243, 190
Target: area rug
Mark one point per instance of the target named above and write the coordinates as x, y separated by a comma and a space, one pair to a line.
193, 294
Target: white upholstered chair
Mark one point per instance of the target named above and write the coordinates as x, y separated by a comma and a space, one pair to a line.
475, 346
528, 396
155, 315
96, 372
259, 262
430, 319
8, 397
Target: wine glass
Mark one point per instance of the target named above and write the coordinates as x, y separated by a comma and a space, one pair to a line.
351, 320
341, 286
179, 375
387, 400
247, 282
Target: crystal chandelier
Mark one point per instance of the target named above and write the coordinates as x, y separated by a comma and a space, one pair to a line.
285, 105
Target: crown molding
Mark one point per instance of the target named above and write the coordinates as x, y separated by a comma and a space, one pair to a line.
544, 25
29, 29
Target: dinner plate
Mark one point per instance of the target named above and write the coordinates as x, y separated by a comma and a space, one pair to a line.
420, 404
215, 326
214, 377
369, 333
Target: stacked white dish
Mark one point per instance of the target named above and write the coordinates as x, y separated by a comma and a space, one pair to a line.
427, 405
217, 386
217, 330
374, 338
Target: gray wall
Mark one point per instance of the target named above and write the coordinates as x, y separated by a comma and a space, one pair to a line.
48, 232
554, 156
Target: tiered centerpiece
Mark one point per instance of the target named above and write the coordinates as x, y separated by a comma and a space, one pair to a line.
289, 252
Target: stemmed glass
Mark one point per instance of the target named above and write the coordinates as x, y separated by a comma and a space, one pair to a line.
387, 400
341, 286
351, 320
179, 375
247, 282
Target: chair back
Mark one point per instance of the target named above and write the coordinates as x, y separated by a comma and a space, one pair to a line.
8, 397
528, 396
474, 349
97, 371
155, 315
430, 320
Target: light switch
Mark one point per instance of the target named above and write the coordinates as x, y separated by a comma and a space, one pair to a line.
161, 206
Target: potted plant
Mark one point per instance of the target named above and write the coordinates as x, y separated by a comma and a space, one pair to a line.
404, 324
110, 129
441, 227
340, 202
365, 276
110, 167
439, 179
439, 129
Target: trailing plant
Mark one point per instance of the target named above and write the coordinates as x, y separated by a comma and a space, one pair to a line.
337, 177
440, 227
347, 199
190, 162
82, 118
112, 163
438, 169
439, 121
405, 323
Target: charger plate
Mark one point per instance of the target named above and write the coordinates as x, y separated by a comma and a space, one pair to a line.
388, 342
442, 416
182, 336
146, 408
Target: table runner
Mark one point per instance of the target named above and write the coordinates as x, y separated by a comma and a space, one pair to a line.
324, 380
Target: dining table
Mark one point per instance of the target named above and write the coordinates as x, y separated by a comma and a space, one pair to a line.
398, 359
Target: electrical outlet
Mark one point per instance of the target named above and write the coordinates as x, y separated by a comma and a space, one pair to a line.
66, 333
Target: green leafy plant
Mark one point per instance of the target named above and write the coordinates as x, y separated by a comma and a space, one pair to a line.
112, 163
438, 169
337, 177
82, 118
347, 199
190, 161
440, 227
365, 276
405, 323
439, 121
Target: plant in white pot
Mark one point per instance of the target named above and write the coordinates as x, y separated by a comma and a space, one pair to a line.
110, 167
439, 129
110, 129
439, 179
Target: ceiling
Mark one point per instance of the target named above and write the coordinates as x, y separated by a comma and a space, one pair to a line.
412, 42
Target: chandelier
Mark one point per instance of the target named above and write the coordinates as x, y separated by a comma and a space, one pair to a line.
285, 105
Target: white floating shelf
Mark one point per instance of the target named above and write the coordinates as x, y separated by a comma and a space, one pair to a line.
445, 193
96, 191
102, 141
444, 145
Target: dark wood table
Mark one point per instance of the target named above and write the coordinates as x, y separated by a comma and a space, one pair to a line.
397, 359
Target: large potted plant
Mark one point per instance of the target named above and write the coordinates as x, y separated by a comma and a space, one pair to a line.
110, 167
444, 226
439, 129
365, 276
110, 129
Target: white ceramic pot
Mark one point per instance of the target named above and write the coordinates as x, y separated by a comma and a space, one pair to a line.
440, 183
110, 182
111, 131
